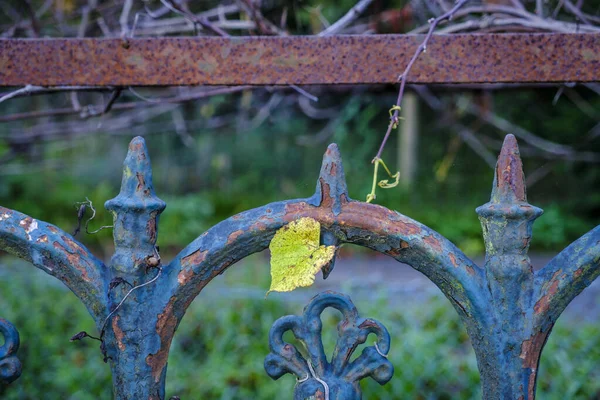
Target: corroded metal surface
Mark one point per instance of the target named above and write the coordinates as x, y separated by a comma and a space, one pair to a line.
10, 366
507, 308
528, 57
338, 379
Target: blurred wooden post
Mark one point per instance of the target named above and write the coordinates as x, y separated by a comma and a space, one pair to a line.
407, 143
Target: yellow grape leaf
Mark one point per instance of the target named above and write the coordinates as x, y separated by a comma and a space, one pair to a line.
297, 256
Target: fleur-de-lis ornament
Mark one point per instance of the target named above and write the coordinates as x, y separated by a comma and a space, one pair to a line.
318, 378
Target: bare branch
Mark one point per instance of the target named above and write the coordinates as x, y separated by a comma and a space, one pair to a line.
30, 89
347, 19
94, 111
124, 19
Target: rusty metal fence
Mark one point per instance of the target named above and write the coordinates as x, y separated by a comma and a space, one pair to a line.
508, 309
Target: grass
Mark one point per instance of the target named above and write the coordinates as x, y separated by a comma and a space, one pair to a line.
220, 346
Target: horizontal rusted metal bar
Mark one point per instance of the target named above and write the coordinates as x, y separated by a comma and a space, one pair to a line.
302, 60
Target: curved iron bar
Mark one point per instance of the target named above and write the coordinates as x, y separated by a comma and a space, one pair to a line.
10, 366
316, 376
57, 253
507, 309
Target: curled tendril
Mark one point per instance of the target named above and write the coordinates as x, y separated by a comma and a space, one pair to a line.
384, 183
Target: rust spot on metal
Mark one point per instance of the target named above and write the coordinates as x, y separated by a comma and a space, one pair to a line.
151, 227
141, 181
433, 243
119, 334
368, 323
578, 272
233, 236
74, 260
453, 259
72, 245
165, 327
185, 275
333, 169
42, 239
52, 229
261, 223
543, 303
470, 270
194, 259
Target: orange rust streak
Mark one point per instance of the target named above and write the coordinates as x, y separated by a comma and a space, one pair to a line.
233, 236
194, 259
73, 246
74, 260
531, 350
543, 303
185, 275
370, 217
433, 243
453, 259
141, 181
119, 334
165, 327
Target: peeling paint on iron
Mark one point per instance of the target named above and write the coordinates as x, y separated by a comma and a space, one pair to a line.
119, 334
165, 327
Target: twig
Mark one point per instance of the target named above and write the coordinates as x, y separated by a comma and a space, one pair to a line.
476, 145
81, 212
265, 26
305, 93
528, 137
421, 49
93, 112
184, 11
31, 89
347, 19
111, 101
124, 18
539, 8
576, 12
181, 128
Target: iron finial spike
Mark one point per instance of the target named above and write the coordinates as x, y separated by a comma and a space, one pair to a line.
137, 191
135, 213
509, 180
331, 187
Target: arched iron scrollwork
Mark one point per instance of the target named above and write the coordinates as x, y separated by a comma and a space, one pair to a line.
10, 366
318, 378
507, 308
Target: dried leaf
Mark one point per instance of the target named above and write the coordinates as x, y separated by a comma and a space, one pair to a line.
297, 256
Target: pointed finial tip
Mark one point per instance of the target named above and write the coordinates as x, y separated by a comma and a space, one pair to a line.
137, 191
510, 181
138, 146
332, 163
331, 187
509, 145
333, 151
